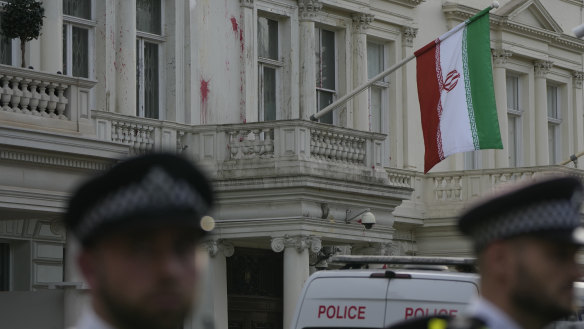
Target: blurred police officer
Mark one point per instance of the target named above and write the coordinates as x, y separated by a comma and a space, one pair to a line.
139, 225
526, 239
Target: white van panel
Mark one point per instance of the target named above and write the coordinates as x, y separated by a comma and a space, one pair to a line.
421, 297
361, 304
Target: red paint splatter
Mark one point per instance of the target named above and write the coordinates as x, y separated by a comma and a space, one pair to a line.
234, 24
204, 99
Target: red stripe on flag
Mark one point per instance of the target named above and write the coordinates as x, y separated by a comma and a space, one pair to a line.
429, 98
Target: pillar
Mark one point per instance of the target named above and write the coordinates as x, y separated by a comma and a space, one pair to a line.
76, 292
307, 9
51, 39
125, 62
542, 68
578, 77
213, 300
500, 58
296, 268
249, 65
413, 158
361, 113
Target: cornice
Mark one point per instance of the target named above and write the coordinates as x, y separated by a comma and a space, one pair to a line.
407, 3
460, 13
59, 160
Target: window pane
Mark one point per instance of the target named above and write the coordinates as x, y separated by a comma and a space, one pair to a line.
552, 102
5, 50
4, 266
77, 8
65, 49
513, 93
151, 80
374, 59
80, 41
512, 140
148, 16
138, 80
268, 38
375, 110
328, 59
269, 94
324, 99
552, 142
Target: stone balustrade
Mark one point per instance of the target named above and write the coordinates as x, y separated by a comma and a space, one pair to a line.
251, 146
45, 99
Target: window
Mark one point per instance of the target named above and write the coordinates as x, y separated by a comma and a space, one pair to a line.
148, 57
472, 160
9, 49
554, 121
78, 28
325, 71
514, 120
4, 267
377, 92
269, 66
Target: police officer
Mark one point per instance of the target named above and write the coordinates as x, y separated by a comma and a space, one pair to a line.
525, 239
138, 226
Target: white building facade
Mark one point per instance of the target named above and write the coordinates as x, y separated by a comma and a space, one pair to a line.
231, 84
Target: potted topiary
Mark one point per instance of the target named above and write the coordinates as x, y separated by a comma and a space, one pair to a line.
22, 19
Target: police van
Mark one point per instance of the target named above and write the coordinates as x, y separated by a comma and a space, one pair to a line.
376, 298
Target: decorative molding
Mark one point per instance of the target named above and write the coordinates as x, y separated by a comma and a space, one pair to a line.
408, 35
375, 249
407, 3
542, 68
308, 9
300, 243
246, 3
501, 56
216, 246
361, 22
578, 77
53, 161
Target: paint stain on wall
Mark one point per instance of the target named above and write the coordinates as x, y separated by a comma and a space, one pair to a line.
234, 24
204, 99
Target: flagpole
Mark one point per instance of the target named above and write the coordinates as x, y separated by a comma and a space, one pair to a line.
378, 77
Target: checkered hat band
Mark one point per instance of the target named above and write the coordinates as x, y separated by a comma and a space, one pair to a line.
155, 192
545, 216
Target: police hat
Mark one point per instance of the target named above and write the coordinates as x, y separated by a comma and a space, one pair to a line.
147, 191
548, 208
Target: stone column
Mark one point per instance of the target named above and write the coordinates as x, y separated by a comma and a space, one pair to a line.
578, 77
249, 64
51, 39
296, 268
361, 113
542, 68
125, 63
412, 143
307, 9
500, 57
76, 291
214, 292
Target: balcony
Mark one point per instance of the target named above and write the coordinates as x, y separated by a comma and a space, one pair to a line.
290, 147
37, 99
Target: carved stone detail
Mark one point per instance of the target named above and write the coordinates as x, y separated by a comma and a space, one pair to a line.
542, 68
300, 243
246, 3
361, 22
578, 77
408, 35
374, 249
501, 56
308, 9
216, 246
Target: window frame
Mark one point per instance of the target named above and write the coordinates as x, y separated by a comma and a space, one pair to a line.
334, 92
160, 40
15, 59
72, 21
517, 114
278, 65
554, 125
382, 84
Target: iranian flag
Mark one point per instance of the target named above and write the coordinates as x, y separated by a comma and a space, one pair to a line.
455, 90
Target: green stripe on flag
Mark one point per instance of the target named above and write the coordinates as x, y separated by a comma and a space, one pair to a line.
481, 83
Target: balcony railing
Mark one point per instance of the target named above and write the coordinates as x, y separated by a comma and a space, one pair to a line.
243, 146
44, 99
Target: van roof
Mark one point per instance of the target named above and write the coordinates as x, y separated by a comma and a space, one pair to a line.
415, 274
